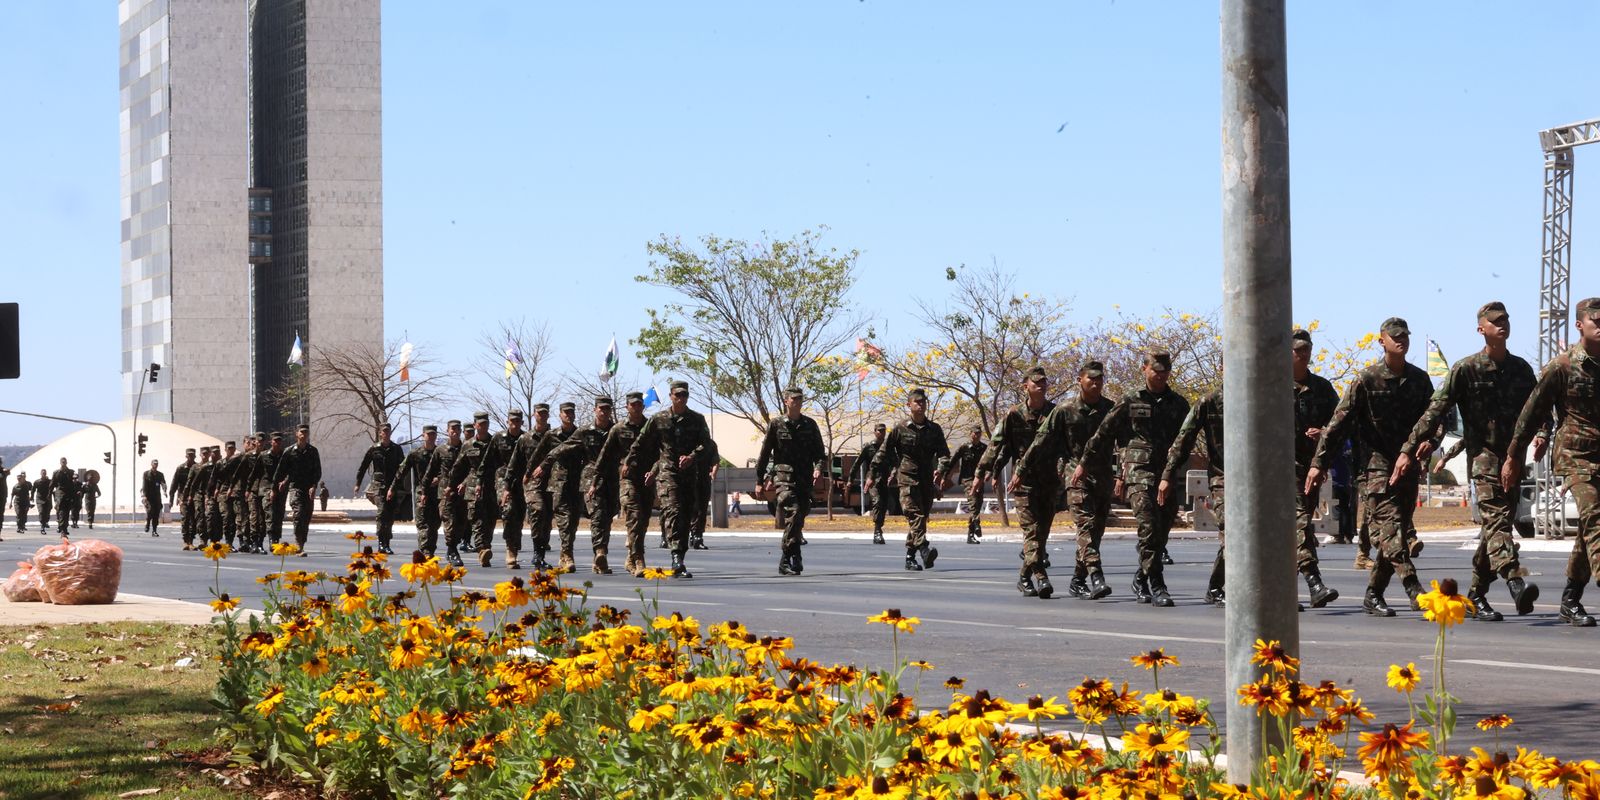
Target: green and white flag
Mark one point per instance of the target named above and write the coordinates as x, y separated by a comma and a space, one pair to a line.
611, 358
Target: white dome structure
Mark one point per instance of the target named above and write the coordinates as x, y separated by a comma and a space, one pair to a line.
86, 448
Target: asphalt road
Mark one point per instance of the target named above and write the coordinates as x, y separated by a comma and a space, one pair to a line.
975, 624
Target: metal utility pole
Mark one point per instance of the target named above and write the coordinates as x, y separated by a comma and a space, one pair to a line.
1258, 415
114, 459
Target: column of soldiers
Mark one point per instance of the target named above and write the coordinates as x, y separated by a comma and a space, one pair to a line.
238, 497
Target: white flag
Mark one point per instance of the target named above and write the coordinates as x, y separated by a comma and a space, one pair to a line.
297, 357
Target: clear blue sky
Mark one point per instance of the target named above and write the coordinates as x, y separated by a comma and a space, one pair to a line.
531, 149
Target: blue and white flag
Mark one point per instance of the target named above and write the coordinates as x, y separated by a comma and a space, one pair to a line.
611, 358
651, 398
297, 356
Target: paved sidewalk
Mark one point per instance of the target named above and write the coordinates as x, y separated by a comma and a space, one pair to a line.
127, 608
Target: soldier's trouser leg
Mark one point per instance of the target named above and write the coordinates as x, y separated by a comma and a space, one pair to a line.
426, 513
636, 502
483, 516
795, 501
539, 518
1036, 511
1496, 555
698, 510
1390, 512
675, 515
44, 516
63, 517
241, 519
275, 527
230, 520
22, 519
514, 512
1090, 503
88, 511
453, 518
1584, 563
302, 516
880, 507
1155, 524
568, 514
1364, 533
914, 500
974, 508
1305, 545
1219, 567
154, 516
601, 513
256, 509
386, 514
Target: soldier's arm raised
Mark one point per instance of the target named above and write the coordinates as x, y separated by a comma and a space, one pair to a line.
1335, 432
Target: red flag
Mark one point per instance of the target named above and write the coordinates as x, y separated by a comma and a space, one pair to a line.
866, 353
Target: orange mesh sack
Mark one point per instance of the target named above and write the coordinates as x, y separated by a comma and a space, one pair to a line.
80, 573
24, 585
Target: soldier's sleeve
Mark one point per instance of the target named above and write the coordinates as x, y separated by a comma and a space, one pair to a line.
1536, 414
992, 460
1099, 445
768, 442
1430, 425
819, 451
886, 453
941, 448
1338, 427
361, 471
646, 448
434, 467
278, 473
1045, 449
1183, 443
316, 465
559, 451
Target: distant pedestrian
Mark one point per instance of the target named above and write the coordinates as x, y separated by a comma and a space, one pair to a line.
153, 487
322, 496
42, 500
91, 494
733, 505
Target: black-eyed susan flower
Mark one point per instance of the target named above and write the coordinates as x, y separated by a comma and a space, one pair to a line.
1494, 722
895, 619
1385, 752
646, 718
224, 603
1148, 740
270, 700
1155, 659
216, 551
1272, 656
1443, 605
1403, 679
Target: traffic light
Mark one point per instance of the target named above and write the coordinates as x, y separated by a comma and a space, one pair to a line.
155, 369
108, 456
143, 437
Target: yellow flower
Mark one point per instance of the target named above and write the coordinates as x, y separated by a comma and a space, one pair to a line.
270, 701
1154, 659
1385, 752
317, 665
1148, 740
655, 574
1268, 696
646, 718
1443, 605
285, 548
224, 603
892, 616
355, 597
1404, 679
408, 653
421, 569
1494, 722
1037, 708
416, 721
1272, 656
550, 770
216, 551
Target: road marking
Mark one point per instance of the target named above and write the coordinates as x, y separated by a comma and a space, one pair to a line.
1515, 665
809, 611
191, 564
1117, 635
665, 601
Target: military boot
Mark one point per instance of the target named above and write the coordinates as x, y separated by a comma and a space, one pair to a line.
679, 569
1481, 610
1025, 585
1098, 588
1159, 597
698, 542
1321, 593
1373, 604
511, 560
1041, 581
538, 560
911, 560
1215, 593
1166, 557
384, 548
485, 557
600, 566
1413, 588
567, 563
1522, 594
1414, 547
453, 558
928, 553
635, 566
972, 538
1078, 587
663, 545
786, 564
1141, 588
877, 537
1572, 610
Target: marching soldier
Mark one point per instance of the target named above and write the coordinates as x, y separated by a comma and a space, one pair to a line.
598, 494
22, 500
875, 480
1314, 402
178, 495
298, 473
452, 508
425, 497
256, 507
215, 506
918, 452
513, 508
1204, 417
383, 458
224, 478
91, 496
5, 474
964, 462
564, 477
1036, 492
706, 468
791, 461
1064, 437
153, 486
1489, 388
194, 499
271, 500
636, 493
670, 444
1381, 407
61, 488
530, 452
1566, 387
42, 500
1147, 420
472, 477
239, 497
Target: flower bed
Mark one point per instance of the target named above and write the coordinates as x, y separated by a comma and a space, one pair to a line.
425, 690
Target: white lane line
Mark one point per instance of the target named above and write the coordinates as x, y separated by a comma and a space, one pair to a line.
827, 613
664, 601
1515, 665
191, 564
965, 622
1117, 635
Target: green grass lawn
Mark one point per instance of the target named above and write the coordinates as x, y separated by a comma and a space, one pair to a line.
94, 711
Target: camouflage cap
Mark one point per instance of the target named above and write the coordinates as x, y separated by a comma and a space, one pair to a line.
261, 434
515, 413
1035, 374
277, 436
430, 429
1301, 338
541, 408
1092, 369
917, 394
188, 451
1494, 311
1395, 327
880, 427
678, 386
635, 397
455, 423
230, 444
480, 416
1160, 362
569, 407
603, 401
1589, 307
306, 428
793, 392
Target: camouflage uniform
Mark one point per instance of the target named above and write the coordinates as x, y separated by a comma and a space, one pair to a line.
452, 506
43, 501
238, 500
635, 496
877, 495
1205, 417
473, 475
791, 453
1036, 494
664, 439
530, 452
965, 462
269, 502
424, 496
575, 471
1063, 438
384, 459
1314, 402
701, 507
1380, 407
300, 467
510, 504
21, 501
1489, 396
1146, 422
919, 455
225, 479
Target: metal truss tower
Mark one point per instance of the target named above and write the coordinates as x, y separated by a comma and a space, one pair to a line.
1555, 287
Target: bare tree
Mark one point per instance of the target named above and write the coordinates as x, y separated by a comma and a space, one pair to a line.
582, 386
496, 388
351, 389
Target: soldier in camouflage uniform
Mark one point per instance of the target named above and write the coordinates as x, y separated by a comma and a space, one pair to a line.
452, 508
572, 465
636, 493
424, 497
964, 463
298, 473
1061, 438
224, 479
255, 519
1380, 407
1204, 417
791, 461
43, 501
565, 491
90, 493
874, 482
194, 503
472, 477
1489, 388
61, 488
513, 507
530, 451
383, 458
1314, 402
1036, 492
672, 444
1146, 421
1568, 387
22, 500
269, 501
917, 451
